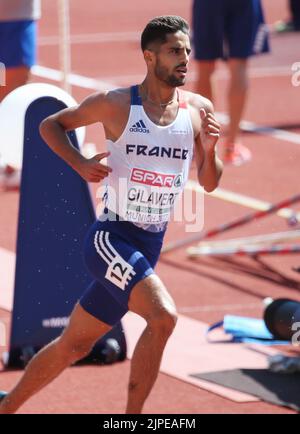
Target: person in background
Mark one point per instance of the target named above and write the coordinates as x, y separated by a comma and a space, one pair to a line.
232, 30
293, 24
18, 29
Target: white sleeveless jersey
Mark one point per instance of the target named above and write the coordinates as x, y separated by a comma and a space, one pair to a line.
150, 166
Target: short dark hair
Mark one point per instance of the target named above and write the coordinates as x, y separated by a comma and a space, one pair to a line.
158, 29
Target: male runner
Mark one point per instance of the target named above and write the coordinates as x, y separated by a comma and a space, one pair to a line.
151, 130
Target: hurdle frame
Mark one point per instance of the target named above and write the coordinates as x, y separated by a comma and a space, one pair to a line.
251, 250
231, 225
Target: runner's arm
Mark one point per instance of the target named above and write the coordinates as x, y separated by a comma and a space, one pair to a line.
209, 166
53, 130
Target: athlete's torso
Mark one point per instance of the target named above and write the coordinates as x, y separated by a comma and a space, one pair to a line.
150, 166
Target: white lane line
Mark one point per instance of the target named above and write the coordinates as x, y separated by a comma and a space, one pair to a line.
265, 131
74, 79
223, 307
94, 84
92, 38
258, 240
241, 199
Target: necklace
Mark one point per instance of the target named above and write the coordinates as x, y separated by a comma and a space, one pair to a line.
160, 104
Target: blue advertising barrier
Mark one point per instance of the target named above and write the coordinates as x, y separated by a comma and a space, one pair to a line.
54, 214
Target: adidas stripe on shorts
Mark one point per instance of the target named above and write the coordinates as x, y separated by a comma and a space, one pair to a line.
118, 255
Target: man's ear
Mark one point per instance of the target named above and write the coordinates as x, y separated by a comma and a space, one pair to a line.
148, 56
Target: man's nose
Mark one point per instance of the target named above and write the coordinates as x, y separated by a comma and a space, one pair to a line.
186, 57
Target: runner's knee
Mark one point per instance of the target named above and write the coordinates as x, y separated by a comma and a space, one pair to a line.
164, 321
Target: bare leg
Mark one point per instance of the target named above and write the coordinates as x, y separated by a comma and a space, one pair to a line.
204, 85
15, 77
150, 300
75, 343
236, 96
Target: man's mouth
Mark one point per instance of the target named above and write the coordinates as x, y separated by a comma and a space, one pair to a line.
182, 70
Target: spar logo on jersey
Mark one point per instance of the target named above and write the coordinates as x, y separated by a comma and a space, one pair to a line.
156, 179
178, 180
139, 127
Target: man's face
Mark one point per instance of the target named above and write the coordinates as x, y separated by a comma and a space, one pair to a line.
172, 59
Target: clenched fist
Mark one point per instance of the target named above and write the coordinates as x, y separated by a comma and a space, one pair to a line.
210, 131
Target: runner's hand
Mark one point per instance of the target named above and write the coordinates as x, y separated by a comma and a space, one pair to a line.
210, 131
92, 170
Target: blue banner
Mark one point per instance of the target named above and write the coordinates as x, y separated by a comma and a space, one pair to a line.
54, 214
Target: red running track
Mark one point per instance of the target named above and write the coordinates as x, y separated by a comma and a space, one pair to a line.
208, 289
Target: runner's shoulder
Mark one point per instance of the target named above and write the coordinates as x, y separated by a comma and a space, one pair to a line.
196, 102
117, 98
109, 102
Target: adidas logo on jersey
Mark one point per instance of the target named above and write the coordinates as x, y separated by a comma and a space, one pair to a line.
139, 127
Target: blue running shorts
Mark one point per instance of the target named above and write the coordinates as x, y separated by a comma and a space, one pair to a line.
18, 43
228, 29
118, 255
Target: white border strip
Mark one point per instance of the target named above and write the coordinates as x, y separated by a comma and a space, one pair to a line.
265, 131
92, 38
74, 79
241, 199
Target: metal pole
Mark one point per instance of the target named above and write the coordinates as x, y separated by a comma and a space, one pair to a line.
64, 43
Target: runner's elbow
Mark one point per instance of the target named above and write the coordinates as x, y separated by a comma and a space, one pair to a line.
48, 125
